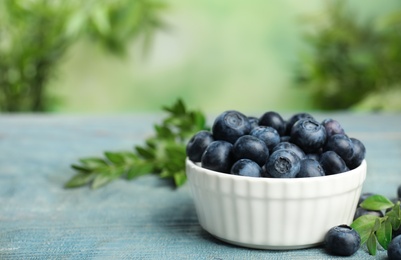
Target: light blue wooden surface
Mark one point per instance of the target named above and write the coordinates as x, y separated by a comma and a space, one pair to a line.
142, 219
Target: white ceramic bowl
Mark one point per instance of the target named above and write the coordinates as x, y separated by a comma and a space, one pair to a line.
273, 213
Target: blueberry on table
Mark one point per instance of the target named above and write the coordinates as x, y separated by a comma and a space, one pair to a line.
341, 144
308, 134
230, 125
394, 249
332, 163
290, 146
218, 156
310, 168
361, 212
294, 118
332, 127
273, 119
283, 164
342, 240
197, 145
246, 167
267, 134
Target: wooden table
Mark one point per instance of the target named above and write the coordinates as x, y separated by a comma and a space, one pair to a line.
141, 219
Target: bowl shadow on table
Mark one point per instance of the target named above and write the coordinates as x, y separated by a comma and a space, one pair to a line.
177, 216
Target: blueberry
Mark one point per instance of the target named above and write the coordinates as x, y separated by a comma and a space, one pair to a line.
310, 168
394, 249
253, 121
273, 119
341, 144
315, 156
332, 127
246, 167
218, 156
265, 173
332, 163
267, 134
342, 240
251, 147
290, 146
285, 138
358, 155
308, 134
293, 119
230, 125
361, 212
196, 146
283, 163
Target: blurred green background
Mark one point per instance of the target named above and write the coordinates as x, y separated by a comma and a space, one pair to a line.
247, 55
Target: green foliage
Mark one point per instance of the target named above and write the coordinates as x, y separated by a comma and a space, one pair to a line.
164, 153
375, 230
35, 36
350, 58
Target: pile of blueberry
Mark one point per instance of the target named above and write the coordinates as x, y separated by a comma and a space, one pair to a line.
270, 146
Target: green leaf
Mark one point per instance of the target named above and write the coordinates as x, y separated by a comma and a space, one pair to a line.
199, 120
107, 176
377, 202
177, 109
394, 216
115, 158
129, 157
163, 132
93, 163
179, 178
166, 174
81, 168
80, 179
372, 244
397, 211
377, 225
145, 152
139, 169
101, 180
364, 225
384, 234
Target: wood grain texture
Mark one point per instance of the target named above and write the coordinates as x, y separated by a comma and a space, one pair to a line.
141, 219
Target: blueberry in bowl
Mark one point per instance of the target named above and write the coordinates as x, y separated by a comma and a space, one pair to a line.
197, 145
283, 163
287, 196
230, 125
308, 134
251, 147
246, 167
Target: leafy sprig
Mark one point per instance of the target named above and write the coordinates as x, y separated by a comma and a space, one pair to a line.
374, 230
163, 153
